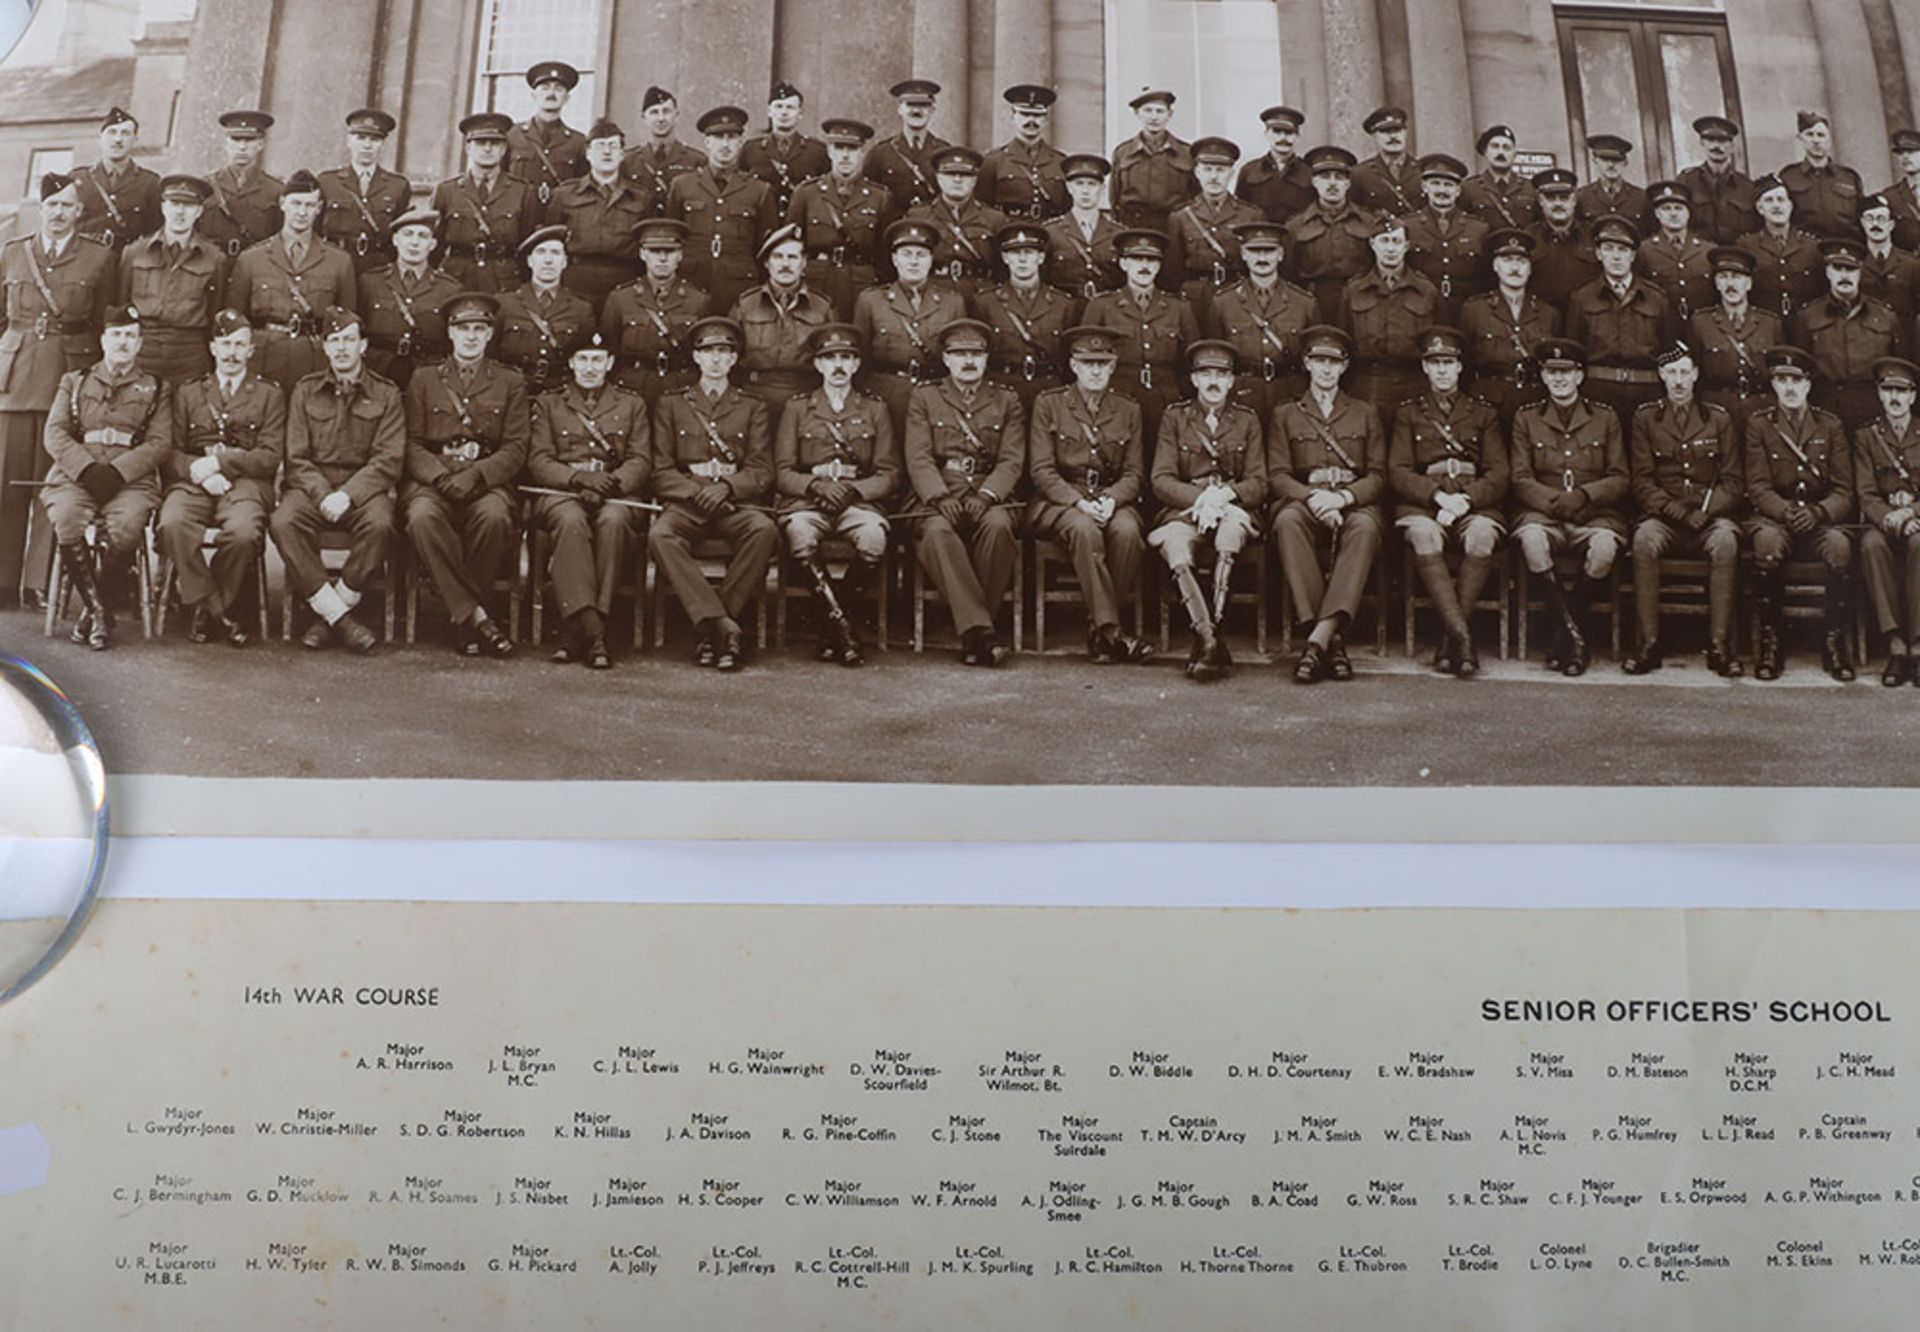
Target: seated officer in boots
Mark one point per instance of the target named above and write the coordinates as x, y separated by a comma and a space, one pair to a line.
1448, 467
1570, 486
1685, 463
1886, 470
965, 452
1327, 473
1800, 483
108, 431
1086, 456
835, 463
229, 435
1210, 476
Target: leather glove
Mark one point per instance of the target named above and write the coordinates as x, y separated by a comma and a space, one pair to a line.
466, 484
713, 497
975, 507
599, 484
834, 495
1322, 503
1800, 520
100, 481
952, 508
444, 483
1697, 520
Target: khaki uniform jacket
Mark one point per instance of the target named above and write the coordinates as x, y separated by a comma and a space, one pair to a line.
248, 433
1686, 460
40, 343
1884, 466
1189, 454
450, 428
124, 422
350, 439
1297, 449
856, 442
730, 431
1580, 449
1776, 476
610, 431
957, 447
1077, 452
1458, 449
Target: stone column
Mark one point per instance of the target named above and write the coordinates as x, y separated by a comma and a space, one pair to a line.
1355, 82
1853, 93
1442, 107
940, 53
1022, 53
227, 67
1906, 22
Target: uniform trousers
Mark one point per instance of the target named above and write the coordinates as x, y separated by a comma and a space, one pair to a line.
122, 519
1179, 539
863, 526
462, 545
748, 532
1893, 592
1542, 537
972, 571
22, 459
240, 517
1304, 544
1105, 559
591, 548
296, 526
1774, 543
1718, 542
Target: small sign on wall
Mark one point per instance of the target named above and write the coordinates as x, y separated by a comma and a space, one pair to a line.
1529, 160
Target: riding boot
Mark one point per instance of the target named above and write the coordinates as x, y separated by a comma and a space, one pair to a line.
1446, 603
1222, 591
1200, 665
1836, 652
1768, 659
91, 629
1574, 600
1561, 647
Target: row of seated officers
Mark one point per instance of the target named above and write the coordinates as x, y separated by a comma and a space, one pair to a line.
465, 450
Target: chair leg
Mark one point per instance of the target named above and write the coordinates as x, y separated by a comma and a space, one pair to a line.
1039, 600
143, 579
167, 581
1019, 592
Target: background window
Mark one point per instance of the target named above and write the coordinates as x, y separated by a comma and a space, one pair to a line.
514, 34
1220, 58
1648, 79
40, 162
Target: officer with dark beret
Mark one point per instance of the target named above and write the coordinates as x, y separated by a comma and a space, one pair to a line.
543, 150
1153, 170
1826, 194
1499, 195
778, 319
175, 278
1689, 489
1790, 267
1886, 469
646, 322
1731, 339
842, 217
246, 200
359, 201
728, 211
1800, 479
1847, 331
282, 285
540, 321
783, 157
467, 430
1023, 176
119, 198
403, 302
660, 157
485, 212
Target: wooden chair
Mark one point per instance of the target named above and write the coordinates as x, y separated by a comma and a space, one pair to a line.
169, 584
1413, 597
1526, 603
60, 587
511, 585
833, 550
542, 552
1050, 556
1255, 554
713, 554
923, 591
1803, 596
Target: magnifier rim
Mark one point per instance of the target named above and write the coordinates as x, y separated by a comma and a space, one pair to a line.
71, 733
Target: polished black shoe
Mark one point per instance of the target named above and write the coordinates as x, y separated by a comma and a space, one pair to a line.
1558, 650
466, 643
1835, 659
200, 624
1579, 655
1898, 671
317, 636
598, 658
704, 651
727, 652
1643, 660
82, 628
1312, 666
99, 632
1338, 667
1203, 661
1446, 655
1102, 649
1723, 663
357, 637
1768, 660
493, 638
567, 651
1468, 664
234, 632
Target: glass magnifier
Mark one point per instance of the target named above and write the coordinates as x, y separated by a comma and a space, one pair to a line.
53, 824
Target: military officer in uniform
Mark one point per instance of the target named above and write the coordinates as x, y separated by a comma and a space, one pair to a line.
1210, 477
1503, 326
963, 253
1610, 193
541, 323
119, 198
1886, 469
1499, 195
1826, 194
1622, 321
602, 212
712, 457
1086, 456
1685, 460
842, 216
1722, 193
1389, 181
1329, 238
1444, 244
1904, 193
543, 150
109, 431
1570, 485
1563, 258
903, 162
361, 199
1847, 332
965, 451
777, 321
1082, 237
1888, 272
1153, 170
56, 287
1326, 475
346, 450
467, 429
1022, 177
229, 437
898, 322
283, 284
175, 278
1154, 327
246, 200
1203, 257
1383, 311
594, 441
727, 211
1672, 257
403, 302
654, 164
1800, 478
836, 462
1731, 340
1448, 467
1261, 317
783, 157
1026, 316
1790, 267
484, 212
1279, 184
646, 322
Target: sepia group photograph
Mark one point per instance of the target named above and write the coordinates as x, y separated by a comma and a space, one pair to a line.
1262, 395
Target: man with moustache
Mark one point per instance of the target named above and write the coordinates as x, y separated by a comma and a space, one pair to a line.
1499, 195
1847, 332
543, 150
1886, 469
1722, 194
1023, 177
1563, 257
1503, 326
1262, 317
119, 198
777, 321
1279, 184
1731, 340
903, 162
1389, 181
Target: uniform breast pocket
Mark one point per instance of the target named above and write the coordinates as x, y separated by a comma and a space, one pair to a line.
1363, 301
